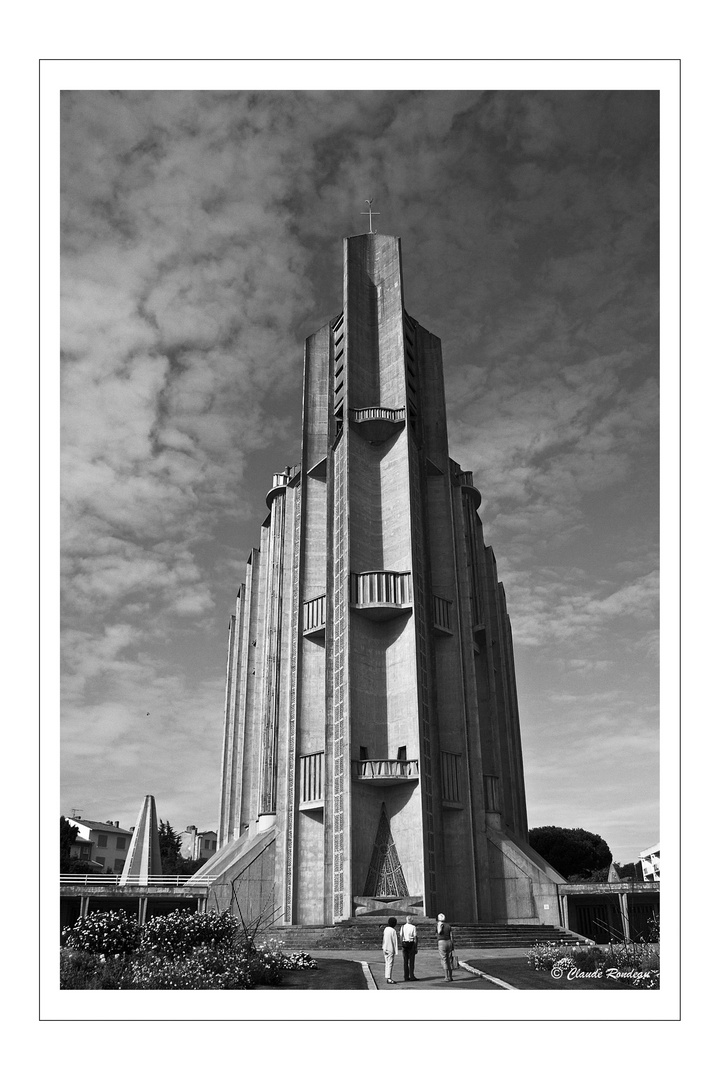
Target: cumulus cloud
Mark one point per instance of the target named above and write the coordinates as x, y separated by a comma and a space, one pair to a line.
202, 242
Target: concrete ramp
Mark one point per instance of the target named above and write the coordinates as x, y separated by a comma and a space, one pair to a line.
243, 874
230, 861
522, 883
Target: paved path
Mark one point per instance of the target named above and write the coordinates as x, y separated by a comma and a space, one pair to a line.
428, 970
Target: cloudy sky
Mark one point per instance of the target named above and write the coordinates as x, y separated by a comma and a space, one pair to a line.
202, 242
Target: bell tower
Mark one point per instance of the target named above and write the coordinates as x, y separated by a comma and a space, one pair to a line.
372, 755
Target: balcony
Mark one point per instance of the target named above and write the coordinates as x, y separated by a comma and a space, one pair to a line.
280, 482
467, 486
376, 423
314, 617
381, 594
383, 772
441, 615
312, 781
450, 779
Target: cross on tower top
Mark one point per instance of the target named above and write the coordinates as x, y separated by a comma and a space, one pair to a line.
369, 213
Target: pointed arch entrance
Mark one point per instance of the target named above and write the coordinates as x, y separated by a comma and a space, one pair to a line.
385, 876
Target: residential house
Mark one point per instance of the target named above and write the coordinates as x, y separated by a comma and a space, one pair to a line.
196, 844
109, 844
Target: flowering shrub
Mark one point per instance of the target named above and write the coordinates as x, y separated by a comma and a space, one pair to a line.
179, 951
182, 931
267, 963
635, 964
298, 961
546, 955
204, 968
90, 971
642, 958
110, 933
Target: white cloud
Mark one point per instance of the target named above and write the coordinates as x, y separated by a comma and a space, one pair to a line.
201, 242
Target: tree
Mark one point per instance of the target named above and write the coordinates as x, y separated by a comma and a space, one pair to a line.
190, 866
575, 853
169, 848
68, 836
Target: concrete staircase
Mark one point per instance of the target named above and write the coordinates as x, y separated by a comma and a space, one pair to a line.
365, 932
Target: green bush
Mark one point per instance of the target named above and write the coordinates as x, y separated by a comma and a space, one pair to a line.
587, 959
182, 931
266, 964
204, 968
108, 933
90, 971
180, 951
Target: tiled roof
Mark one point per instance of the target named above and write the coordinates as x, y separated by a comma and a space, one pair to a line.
99, 826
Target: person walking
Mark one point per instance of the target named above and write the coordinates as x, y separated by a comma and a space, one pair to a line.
390, 948
446, 946
409, 945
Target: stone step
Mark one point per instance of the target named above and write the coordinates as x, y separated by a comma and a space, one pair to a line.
366, 934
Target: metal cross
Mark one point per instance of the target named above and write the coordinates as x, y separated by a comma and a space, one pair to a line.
369, 213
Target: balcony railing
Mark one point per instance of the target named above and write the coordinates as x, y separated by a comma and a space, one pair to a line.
450, 777
441, 614
103, 880
492, 793
385, 770
377, 412
314, 616
280, 482
312, 774
376, 423
467, 484
381, 589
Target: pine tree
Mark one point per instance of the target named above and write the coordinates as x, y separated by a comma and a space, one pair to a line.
169, 848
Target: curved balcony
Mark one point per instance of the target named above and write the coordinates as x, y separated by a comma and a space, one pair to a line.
280, 482
383, 772
376, 423
381, 594
467, 486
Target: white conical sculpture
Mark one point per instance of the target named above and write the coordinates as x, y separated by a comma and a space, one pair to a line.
143, 859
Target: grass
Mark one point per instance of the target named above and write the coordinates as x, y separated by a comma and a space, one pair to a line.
330, 974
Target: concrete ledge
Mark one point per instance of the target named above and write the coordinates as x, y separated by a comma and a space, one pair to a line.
484, 975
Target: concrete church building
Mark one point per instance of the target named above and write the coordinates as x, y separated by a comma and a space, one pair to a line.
372, 755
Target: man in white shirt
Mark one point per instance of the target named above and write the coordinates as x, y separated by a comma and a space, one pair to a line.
408, 941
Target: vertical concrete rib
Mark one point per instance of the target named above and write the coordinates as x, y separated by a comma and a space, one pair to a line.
295, 621
273, 639
229, 732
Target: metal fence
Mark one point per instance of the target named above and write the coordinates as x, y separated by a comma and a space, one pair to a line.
168, 880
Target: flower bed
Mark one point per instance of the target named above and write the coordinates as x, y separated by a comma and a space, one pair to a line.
634, 965
179, 951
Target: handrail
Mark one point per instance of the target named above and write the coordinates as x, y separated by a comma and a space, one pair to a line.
377, 412
385, 768
172, 880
